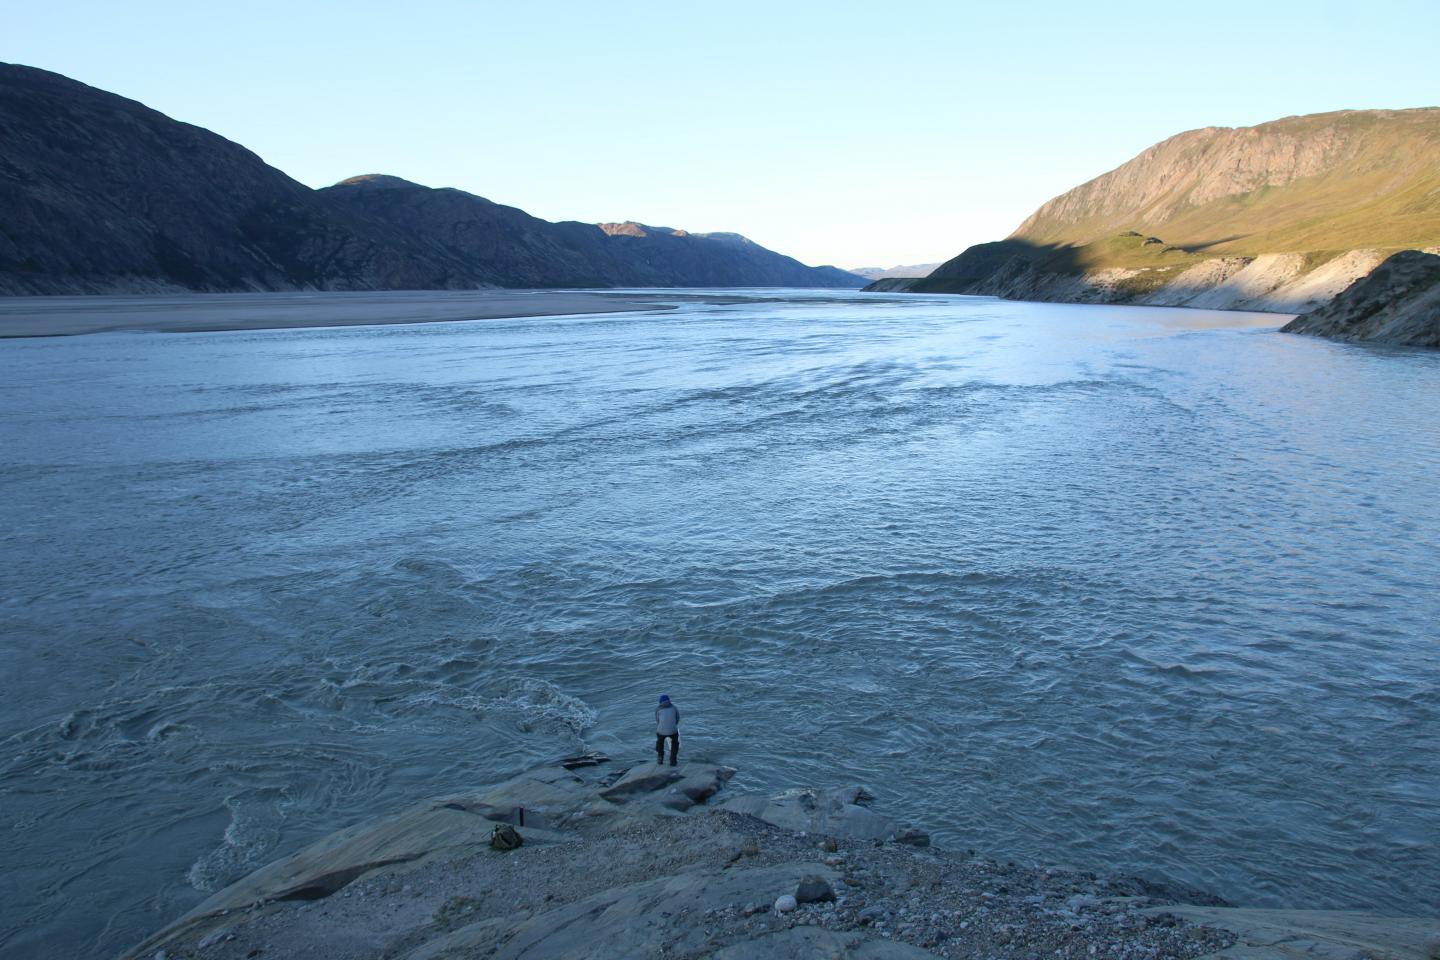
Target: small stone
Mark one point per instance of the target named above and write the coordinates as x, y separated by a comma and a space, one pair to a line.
829, 845
814, 889
786, 904
913, 838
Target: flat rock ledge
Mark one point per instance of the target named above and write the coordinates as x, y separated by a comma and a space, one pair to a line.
636, 863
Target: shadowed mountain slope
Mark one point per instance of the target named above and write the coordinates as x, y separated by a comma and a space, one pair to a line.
100, 194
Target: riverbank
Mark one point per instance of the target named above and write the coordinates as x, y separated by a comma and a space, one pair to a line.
650, 862
208, 313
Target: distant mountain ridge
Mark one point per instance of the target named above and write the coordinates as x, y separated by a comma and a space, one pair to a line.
1281, 216
100, 194
882, 273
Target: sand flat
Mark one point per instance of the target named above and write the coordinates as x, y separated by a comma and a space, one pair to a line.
209, 312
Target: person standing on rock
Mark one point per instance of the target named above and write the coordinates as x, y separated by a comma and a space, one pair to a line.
667, 726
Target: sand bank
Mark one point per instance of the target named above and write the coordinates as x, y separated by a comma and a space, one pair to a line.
208, 312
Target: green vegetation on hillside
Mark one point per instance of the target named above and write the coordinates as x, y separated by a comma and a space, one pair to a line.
1326, 182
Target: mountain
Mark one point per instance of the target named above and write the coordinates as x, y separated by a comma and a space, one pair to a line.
1281, 216
508, 247
884, 273
100, 194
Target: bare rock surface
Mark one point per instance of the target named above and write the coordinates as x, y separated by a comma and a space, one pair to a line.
611, 868
843, 812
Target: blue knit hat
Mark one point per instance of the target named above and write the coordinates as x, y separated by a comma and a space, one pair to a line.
664, 698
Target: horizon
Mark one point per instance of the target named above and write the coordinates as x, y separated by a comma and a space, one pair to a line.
791, 145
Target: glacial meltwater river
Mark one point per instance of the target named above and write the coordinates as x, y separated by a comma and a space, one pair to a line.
1114, 588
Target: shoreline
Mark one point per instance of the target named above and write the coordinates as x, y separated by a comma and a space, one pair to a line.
659, 862
62, 316
43, 317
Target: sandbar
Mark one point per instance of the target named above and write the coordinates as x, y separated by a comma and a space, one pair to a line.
211, 312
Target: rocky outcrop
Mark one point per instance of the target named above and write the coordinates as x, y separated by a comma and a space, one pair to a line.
1398, 303
633, 863
101, 194
1272, 283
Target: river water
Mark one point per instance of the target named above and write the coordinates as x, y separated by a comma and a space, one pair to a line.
1112, 588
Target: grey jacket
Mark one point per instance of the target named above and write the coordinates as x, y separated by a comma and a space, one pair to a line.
667, 720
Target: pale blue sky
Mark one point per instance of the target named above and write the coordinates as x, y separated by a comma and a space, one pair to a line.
850, 133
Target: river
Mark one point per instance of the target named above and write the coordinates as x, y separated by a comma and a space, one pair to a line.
1117, 588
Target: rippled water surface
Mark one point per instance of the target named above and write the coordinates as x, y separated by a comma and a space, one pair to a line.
1115, 588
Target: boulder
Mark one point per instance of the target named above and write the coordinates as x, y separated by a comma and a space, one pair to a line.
786, 904
814, 889
505, 837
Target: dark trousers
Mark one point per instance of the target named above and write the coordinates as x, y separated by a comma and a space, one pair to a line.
660, 739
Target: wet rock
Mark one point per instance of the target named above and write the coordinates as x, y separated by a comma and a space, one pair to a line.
913, 838
814, 889
1432, 946
785, 904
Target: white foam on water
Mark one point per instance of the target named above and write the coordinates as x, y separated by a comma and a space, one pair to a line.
255, 825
